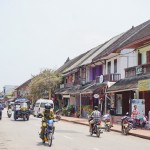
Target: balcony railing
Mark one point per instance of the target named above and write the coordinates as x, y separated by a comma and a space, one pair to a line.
137, 70
112, 77
108, 77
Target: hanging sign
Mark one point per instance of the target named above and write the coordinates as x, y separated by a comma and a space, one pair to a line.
96, 96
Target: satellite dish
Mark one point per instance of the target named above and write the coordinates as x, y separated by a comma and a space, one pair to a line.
101, 78
96, 96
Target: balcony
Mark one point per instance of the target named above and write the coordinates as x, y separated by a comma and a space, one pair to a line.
139, 70
81, 81
108, 77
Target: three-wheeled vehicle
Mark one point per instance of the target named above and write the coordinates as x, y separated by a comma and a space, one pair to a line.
21, 109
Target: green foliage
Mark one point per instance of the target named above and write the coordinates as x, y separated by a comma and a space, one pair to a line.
44, 83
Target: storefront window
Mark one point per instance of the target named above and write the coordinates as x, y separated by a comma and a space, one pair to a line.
119, 104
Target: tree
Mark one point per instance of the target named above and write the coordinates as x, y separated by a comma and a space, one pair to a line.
44, 84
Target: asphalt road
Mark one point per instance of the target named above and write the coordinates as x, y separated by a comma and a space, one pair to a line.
23, 135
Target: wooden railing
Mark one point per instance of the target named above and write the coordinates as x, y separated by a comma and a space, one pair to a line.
108, 77
112, 77
137, 70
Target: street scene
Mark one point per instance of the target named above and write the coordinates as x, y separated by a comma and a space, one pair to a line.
74, 75
24, 135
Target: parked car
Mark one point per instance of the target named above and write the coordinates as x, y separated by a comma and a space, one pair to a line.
40, 106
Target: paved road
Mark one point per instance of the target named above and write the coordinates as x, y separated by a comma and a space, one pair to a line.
23, 135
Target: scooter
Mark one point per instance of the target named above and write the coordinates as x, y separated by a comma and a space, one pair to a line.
9, 113
96, 127
49, 131
107, 125
126, 124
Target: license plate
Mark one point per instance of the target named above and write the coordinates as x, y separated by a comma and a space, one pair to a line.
98, 126
107, 122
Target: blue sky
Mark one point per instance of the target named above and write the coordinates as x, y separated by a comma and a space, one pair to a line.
37, 34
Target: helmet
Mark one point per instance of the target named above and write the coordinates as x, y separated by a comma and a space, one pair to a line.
47, 106
95, 107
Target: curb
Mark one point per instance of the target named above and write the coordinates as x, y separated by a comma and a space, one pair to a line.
132, 134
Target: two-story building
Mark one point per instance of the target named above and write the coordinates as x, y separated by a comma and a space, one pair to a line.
135, 84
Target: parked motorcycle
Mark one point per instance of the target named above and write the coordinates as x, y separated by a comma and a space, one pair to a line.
107, 125
106, 119
126, 124
9, 113
49, 130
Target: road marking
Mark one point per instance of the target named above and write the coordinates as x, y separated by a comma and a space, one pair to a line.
68, 137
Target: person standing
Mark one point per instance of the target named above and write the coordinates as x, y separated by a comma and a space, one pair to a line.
112, 111
134, 115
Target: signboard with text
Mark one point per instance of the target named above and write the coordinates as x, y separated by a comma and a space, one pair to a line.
144, 85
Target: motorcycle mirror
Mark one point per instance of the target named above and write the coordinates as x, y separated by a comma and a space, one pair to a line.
127, 113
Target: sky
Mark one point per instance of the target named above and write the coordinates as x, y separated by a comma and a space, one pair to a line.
39, 34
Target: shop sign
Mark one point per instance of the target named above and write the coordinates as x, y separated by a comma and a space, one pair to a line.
144, 85
139, 70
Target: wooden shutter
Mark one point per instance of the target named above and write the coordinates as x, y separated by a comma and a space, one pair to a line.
148, 56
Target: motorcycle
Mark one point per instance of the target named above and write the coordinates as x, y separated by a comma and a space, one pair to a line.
96, 128
49, 131
107, 125
9, 113
126, 124
106, 119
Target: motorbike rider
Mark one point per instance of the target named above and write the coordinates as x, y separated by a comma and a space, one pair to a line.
47, 115
1, 108
95, 116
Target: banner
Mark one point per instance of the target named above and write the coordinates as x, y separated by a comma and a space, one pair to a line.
140, 103
144, 85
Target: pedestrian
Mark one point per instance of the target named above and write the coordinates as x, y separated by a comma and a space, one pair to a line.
134, 115
112, 111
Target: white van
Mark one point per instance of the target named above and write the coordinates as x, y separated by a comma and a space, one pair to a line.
40, 106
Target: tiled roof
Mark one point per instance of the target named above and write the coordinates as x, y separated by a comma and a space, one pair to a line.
131, 34
24, 84
70, 63
127, 83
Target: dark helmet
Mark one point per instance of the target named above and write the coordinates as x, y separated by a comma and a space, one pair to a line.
47, 106
95, 107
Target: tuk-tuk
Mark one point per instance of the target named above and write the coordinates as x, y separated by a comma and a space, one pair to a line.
21, 109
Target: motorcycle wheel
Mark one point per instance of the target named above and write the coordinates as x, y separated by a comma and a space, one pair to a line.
108, 128
98, 133
50, 139
24, 117
27, 117
126, 131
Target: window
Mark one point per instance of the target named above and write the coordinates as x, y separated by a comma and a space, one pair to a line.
115, 66
109, 67
148, 56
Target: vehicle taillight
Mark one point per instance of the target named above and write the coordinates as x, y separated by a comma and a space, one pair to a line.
98, 123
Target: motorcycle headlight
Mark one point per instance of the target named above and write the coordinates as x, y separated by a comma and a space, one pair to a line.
44, 124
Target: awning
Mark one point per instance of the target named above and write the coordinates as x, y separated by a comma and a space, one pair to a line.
94, 87
127, 84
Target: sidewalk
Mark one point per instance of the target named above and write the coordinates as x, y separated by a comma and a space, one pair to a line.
117, 128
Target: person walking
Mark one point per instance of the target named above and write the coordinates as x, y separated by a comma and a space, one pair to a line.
112, 111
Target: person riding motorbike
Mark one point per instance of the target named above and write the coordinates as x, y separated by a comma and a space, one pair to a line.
1, 108
95, 117
47, 115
